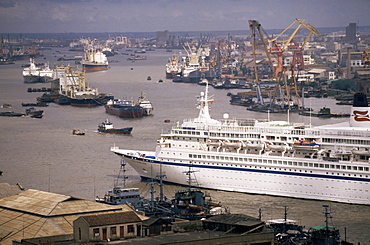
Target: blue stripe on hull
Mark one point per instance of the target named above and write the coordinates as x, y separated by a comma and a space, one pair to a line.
336, 177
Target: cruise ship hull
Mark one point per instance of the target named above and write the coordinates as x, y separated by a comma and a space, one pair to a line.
253, 178
329, 162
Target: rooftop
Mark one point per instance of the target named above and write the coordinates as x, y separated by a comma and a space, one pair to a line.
34, 213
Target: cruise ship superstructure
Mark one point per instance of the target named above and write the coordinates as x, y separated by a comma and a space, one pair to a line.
265, 157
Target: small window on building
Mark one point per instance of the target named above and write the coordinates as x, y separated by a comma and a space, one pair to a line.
113, 230
130, 229
96, 232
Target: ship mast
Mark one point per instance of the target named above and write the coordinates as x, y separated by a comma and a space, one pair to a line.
204, 105
121, 176
161, 176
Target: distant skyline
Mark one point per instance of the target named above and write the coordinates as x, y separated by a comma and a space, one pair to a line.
59, 16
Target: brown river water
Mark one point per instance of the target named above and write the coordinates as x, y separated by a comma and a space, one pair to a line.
43, 154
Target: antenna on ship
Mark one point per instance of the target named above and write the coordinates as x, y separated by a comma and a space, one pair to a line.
121, 175
285, 213
327, 217
190, 180
160, 177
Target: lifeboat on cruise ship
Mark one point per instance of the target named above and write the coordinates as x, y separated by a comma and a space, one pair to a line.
305, 144
232, 144
254, 144
360, 152
214, 143
278, 146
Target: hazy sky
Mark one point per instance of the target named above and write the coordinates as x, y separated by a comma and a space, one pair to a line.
23, 16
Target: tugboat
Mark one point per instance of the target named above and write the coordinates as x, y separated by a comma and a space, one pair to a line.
107, 127
120, 194
192, 203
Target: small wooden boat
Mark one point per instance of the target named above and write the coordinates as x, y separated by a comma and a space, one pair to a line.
77, 132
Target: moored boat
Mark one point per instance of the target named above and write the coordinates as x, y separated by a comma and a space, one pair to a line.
124, 108
120, 194
145, 104
32, 112
34, 74
75, 91
324, 168
94, 60
107, 127
173, 67
11, 114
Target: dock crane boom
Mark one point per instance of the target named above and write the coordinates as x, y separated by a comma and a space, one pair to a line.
279, 47
366, 57
253, 26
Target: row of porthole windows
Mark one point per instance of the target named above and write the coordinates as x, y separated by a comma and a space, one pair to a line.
280, 183
289, 163
187, 132
283, 163
274, 168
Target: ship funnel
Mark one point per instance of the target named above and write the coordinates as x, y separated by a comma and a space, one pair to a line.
360, 113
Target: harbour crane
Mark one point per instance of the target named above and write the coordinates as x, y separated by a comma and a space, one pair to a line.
278, 47
255, 28
366, 57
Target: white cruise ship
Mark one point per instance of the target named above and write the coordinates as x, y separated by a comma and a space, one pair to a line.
265, 157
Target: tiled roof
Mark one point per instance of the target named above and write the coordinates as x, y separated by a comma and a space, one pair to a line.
35, 213
111, 219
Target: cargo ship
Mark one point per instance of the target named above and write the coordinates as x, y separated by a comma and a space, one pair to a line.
124, 108
94, 60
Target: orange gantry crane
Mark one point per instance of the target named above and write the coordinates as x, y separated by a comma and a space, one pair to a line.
366, 57
278, 47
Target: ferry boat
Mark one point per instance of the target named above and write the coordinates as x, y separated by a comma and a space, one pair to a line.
323, 163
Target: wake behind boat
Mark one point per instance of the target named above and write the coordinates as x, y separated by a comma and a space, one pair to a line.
233, 155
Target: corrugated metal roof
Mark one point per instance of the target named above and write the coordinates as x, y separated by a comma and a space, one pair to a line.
9, 190
34, 213
51, 204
